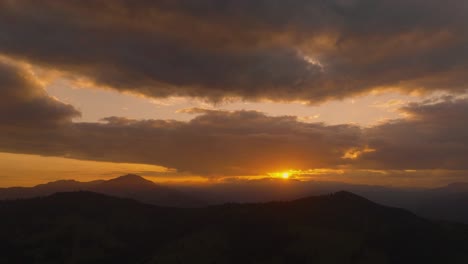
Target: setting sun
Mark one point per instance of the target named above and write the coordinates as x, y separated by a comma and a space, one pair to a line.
282, 174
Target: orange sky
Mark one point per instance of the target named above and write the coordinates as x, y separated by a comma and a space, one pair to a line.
333, 91
30, 170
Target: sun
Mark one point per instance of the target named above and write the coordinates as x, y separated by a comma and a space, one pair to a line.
287, 174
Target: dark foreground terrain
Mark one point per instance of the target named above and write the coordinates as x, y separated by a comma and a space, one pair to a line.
85, 227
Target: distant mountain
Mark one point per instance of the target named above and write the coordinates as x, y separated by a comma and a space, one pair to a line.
127, 186
455, 187
84, 227
444, 203
448, 203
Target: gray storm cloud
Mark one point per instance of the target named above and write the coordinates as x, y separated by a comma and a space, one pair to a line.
279, 50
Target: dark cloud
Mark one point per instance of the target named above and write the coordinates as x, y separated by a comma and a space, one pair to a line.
275, 49
23, 102
251, 49
215, 143
435, 136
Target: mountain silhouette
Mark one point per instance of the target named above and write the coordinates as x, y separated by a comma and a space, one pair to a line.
127, 186
443, 203
129, 180
86, 227
446, 203
453, 187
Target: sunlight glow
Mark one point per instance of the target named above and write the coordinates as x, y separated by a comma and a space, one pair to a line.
287, 174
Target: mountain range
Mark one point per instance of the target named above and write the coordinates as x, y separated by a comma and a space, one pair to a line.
86, 227
127, 186
444, 203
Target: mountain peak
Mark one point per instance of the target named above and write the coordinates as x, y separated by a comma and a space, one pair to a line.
337, 197
346, 194
350, 197
131, 179
130, 175
61, 182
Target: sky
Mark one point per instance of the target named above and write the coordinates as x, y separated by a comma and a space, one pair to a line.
201, 91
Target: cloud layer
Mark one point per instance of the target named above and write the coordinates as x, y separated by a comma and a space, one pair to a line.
217, 143
435, 136
214, 144
256, 49
23, 101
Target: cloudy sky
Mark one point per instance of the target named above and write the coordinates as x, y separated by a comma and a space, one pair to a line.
360, 91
